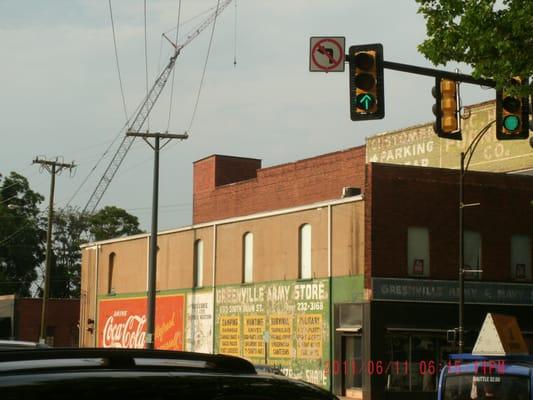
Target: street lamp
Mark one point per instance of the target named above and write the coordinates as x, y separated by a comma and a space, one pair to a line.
466, 156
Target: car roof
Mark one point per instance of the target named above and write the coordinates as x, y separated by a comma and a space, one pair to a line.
20, 344
212, 375
122, 358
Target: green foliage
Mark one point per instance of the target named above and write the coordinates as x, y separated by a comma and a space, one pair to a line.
21, 235
494, 37
112, 222
23, 229
71, 229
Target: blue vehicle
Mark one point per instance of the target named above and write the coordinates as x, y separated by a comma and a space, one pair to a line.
471, 377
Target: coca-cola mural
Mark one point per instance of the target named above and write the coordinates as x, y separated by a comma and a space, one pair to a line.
122, 322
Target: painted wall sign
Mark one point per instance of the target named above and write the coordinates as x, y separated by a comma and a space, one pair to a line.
253, 329
122, 322
426, 290
295, 314
420, 146
230, 335
199, 322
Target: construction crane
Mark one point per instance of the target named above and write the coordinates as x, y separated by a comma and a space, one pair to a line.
144, 110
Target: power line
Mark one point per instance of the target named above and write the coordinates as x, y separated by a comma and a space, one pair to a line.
205, 67
116, 59
235, 37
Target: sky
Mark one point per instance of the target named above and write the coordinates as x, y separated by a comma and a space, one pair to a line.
61, 94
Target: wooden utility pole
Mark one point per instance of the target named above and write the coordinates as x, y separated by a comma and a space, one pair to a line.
53, 167
152, 263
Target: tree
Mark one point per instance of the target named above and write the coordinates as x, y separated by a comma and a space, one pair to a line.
21, 235
70, 231
494, 37
111, 222
72, 228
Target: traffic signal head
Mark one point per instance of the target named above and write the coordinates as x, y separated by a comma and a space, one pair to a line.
367, 100
447, 119
512, 114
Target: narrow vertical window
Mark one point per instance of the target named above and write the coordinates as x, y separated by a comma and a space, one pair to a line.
198, 263
111, 272
305, 271
520, 257
248, 257
472, 254
418, 251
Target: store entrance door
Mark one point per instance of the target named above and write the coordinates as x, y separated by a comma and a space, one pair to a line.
351, 366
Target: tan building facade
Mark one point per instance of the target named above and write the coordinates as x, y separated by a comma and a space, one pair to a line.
232, 315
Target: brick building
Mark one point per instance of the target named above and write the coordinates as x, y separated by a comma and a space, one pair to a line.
339, 269
20, 319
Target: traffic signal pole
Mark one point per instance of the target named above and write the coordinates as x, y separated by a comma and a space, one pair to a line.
466, 156
413, 69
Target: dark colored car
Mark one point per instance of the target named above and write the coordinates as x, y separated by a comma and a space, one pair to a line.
20, 344
98, 374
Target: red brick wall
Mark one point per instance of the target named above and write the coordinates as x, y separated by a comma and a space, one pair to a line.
288, 185
401, 196
63, 314
218, 170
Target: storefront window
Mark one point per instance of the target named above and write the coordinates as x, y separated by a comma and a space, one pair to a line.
413, 362
398, 357
418, 251
472, 254
520, 257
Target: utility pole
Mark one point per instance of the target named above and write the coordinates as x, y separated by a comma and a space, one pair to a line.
53, 167
152, 263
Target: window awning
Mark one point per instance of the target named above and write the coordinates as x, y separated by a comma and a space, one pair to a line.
350, 329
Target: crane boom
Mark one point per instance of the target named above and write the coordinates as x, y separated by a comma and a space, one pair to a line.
144, 110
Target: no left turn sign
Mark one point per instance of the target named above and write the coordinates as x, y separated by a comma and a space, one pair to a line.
326, 54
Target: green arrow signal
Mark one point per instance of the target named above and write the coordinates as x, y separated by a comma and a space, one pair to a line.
365, 101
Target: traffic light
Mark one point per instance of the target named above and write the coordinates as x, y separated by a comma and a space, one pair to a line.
447, 119
512, 114
366, 82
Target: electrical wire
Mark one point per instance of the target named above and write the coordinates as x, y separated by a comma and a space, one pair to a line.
235, 37
205, 67
97, 163
118, 64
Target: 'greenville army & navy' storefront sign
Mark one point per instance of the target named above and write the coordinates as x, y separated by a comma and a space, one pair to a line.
437, 291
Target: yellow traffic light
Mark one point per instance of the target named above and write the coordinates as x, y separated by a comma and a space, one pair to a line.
447, 119
366, 82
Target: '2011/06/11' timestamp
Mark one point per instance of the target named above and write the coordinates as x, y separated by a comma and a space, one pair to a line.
397, 367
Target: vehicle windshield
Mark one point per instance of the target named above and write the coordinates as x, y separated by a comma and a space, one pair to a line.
497, 387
